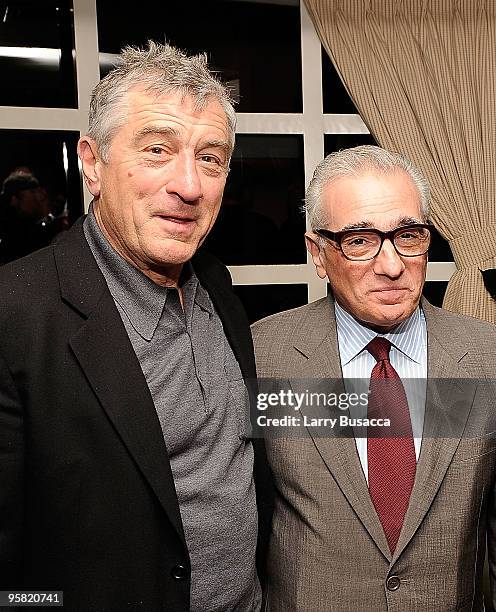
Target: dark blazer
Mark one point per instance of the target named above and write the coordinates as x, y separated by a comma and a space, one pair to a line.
87, 497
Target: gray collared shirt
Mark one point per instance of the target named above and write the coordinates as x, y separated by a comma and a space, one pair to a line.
202, 405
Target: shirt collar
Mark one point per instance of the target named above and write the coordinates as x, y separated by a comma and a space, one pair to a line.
353, 336
142, 300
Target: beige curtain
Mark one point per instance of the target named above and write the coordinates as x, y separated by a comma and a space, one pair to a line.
422, 75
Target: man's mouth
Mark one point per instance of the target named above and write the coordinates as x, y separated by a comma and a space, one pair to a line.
176, 219
176, 225
390, 294
390, 289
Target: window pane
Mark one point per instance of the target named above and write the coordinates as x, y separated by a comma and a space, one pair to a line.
336, 142
263, 300
255, 45
434, 291
440, 248
260, 220
37, 53
335, 97
40, 189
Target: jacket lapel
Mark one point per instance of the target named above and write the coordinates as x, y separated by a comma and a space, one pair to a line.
448, 387
337, 447
116, 378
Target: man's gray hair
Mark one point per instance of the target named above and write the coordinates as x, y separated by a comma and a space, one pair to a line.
160, 69
354, 163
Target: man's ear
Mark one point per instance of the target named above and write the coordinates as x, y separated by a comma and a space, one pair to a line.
313, 246
91, 163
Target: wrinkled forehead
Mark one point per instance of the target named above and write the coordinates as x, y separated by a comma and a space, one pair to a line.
371, 199
147, 96
143, 107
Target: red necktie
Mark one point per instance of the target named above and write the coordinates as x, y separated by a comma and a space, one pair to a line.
390, 452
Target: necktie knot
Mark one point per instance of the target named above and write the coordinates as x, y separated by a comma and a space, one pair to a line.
379, 348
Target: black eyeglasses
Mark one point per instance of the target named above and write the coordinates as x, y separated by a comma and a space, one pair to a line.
366, 243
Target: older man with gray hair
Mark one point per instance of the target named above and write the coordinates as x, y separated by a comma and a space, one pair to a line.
127, 471
388, 507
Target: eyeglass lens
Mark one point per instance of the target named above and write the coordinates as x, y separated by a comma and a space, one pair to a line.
410, 241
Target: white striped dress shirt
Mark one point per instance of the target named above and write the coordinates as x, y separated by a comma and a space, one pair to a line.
408, 357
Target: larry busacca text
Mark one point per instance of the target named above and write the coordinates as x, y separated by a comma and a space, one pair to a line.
285, 409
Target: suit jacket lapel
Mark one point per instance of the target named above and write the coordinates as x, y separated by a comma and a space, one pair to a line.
338, 448
448, 386
116, 379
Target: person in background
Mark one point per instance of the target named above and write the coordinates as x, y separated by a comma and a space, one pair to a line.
26, 219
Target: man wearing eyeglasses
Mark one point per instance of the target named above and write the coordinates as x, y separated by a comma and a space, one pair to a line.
388, 511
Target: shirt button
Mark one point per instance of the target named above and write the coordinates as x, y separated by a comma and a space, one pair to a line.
393, 583
179, 572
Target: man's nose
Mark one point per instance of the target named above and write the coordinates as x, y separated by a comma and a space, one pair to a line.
185, 181
388, 262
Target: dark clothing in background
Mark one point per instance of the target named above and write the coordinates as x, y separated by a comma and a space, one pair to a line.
20, 235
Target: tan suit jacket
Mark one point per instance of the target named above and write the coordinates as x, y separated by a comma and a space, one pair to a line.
328, 551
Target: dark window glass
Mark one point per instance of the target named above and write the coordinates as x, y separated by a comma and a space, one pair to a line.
255, 45
434, 291
37, 53
440, 248
260, 221
336, 142
334, 95
263, 300
40, 189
